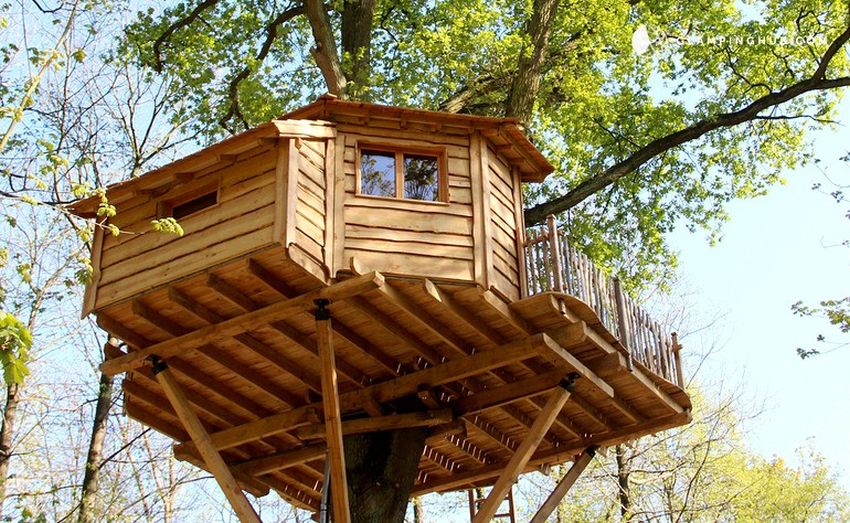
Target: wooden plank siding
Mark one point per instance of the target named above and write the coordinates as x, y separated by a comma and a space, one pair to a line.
409, 237
311, 200
506, 233
241, 222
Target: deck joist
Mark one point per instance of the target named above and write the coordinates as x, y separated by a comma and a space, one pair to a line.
241, 341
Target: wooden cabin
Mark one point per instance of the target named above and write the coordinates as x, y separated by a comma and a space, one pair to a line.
407, 227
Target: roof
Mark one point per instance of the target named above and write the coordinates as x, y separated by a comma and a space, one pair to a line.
505, 133
315, 120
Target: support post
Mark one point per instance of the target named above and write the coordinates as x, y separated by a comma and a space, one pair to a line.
555, 250
523, 454
677, 357
622, 322
333, 421
215, 463
564, 485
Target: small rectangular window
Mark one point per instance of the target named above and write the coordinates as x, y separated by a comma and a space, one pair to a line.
194, 205
188, 203
393, 172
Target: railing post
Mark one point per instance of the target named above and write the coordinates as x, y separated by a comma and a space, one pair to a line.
554, 244
622, 324
680, 377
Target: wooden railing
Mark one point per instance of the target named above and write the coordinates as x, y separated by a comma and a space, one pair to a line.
553, 264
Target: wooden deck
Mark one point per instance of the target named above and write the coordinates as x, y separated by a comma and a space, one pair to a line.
241, 341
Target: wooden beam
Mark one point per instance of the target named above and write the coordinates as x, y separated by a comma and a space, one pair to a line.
255, 430
279, 286
280, 460
166, 349
230, 293
564, 486
399, 421
386, 391
615, 363
553, 455
523, 454
497, 396
462, 313
425, 320
333, 421
215, 463
553, 352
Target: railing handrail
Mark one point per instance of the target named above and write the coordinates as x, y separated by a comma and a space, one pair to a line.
553, 264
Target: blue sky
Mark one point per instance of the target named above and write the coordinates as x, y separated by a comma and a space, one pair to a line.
774, 252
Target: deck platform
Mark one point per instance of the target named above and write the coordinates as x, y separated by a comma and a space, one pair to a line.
241, 341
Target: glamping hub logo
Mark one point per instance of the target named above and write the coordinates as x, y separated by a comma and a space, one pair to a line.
641, 41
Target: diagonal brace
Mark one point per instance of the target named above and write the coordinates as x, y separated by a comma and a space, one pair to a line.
215, 463
523, 454
564, 485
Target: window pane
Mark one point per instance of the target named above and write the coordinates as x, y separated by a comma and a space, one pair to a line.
420, 177
377, 173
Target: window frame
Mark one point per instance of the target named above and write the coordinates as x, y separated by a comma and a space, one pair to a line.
399, 151
165, 208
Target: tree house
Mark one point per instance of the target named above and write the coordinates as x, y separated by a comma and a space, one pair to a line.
354, 268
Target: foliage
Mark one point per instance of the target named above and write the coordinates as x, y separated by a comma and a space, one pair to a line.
706, 472
836, 310
15, 344
599, 101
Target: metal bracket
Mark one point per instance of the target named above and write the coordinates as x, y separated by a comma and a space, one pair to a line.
157, 364
322, 311
569, 382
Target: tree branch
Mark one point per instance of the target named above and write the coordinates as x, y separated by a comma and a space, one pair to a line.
183, 22
271, 30
592, 185
325, 52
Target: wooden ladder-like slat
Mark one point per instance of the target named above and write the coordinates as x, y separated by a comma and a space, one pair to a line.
475, 499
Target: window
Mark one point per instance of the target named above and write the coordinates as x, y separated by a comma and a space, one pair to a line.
189, 203
413, 174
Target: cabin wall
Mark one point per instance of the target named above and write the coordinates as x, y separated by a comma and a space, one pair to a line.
506, 227
242, 221
406, 237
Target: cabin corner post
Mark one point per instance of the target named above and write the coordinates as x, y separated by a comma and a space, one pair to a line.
286, 186
482, 234
519, 217
201, 438
333, 419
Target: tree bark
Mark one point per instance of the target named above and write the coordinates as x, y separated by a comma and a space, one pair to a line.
381, 468
325, 52
94, 459
357, 19
526, 83
624, 494
7, 432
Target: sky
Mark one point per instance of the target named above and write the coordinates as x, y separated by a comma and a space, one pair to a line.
775, 251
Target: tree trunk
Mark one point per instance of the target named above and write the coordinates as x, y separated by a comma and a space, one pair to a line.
624, 492
526, 84
381, 468
324, 52
7, 431
357, 18
94, 459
